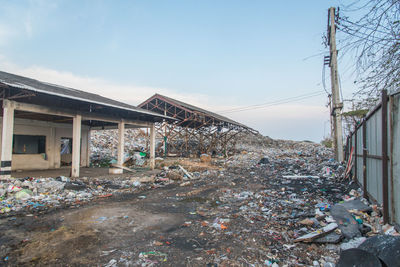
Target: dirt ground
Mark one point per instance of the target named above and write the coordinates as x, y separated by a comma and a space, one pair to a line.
170, 226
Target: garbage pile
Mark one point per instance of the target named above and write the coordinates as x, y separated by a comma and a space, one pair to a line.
274, 203
286, 205
31, 194
40, 194
104, 145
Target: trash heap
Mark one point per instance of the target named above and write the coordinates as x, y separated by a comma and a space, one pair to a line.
41, 194
29, 194
283, 205
288, 206
275, 203
104, 145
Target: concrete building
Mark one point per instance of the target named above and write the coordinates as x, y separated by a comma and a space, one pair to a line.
44, 124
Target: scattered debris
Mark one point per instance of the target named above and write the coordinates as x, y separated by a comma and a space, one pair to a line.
122, 167
281, 204
353, 243
313, 235
264, 161
205, 158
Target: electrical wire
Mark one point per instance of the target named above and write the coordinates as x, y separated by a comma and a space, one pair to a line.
267, 103
274, 103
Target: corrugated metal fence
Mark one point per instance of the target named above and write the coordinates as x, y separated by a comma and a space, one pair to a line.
376, 155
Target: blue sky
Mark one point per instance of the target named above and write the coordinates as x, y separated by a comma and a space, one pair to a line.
215, 54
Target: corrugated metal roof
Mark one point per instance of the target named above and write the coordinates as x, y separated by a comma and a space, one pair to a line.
71, 93
197, 109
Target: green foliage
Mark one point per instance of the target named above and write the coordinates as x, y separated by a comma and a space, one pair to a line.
355, 113
327, 142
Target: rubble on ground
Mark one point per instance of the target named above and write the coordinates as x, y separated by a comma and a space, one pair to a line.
281, 203
104, 147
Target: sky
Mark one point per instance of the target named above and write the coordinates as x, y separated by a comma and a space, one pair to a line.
219, 55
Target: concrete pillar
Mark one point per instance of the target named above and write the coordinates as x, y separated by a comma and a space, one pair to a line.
121, 143
152, 146
88, 150
7, 140
76, 145
52, 148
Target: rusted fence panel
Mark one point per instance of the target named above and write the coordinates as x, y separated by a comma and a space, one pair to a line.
394, 144
359, 148
374, 155
376, 145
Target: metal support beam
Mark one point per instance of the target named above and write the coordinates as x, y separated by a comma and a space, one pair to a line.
365, 152
76, 145
69, 113
355, 155
393, 195
385, 187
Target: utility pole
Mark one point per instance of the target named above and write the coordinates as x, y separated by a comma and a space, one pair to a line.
336, 104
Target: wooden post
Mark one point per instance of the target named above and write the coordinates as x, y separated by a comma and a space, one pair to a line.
7, 140
76, 145
152, 146
121, 143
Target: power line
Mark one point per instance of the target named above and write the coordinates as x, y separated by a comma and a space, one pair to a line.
274, 103
267, 103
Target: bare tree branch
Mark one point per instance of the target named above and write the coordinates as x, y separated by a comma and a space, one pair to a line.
374, 36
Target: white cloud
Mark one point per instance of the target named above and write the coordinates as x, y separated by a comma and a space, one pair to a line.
5, 34
289, 121
21, 21
28, 25
130, 94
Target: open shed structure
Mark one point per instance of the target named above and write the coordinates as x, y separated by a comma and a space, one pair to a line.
196, 130
37, 117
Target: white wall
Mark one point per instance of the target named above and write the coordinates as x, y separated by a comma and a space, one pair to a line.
53, 133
